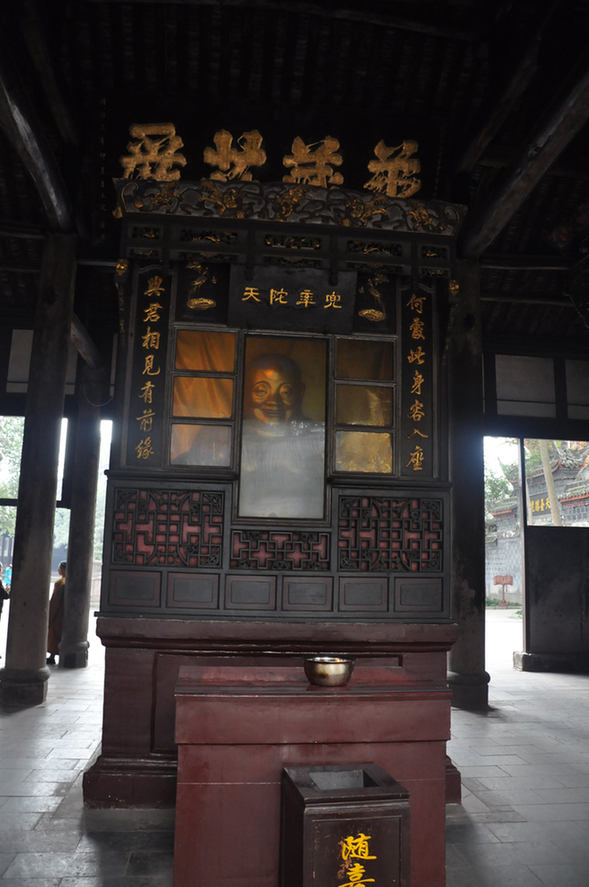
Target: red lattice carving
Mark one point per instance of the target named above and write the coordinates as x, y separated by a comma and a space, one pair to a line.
382, 533
168, 527
279, 550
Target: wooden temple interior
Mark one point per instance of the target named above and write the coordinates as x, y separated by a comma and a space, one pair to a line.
305, 256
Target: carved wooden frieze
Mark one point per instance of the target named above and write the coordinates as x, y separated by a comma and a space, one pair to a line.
284, 202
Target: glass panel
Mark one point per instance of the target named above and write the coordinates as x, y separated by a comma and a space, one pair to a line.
363, 451
525, 386
201, 445
557, 488
364, 360
283, 440
363, 405
199, 350
203, 398
577, 375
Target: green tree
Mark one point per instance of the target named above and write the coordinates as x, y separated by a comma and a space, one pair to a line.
497, 488
11, 434
61, 527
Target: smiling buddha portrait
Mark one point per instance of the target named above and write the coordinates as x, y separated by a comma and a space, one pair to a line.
282, 450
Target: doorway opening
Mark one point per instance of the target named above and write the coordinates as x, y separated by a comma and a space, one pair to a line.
504, 552
529, 484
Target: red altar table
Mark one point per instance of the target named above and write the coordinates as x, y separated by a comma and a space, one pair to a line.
238, 726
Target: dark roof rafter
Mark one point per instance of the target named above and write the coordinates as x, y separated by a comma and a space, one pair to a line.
34, 34
20, 124
488, 218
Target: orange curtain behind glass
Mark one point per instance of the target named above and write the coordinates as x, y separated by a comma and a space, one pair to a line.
202, 351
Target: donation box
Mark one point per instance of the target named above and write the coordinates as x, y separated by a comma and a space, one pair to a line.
343, 826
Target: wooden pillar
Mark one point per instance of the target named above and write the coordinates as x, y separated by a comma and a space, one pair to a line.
467, 676
73, 649
24, 679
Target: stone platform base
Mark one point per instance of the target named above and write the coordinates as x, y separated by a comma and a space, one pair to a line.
575, 663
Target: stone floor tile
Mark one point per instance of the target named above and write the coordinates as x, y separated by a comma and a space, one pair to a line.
577, 851
31, 882
472, 804
499, 759
6, 859
38, 865
539, 831
34, 841
497, 876
132, 841
562, 875
553, 812
500, 783
127, 820
482, 772
514, 853
461, 877
71, 753
36, 789
564, 795
51, 775
469, 833
508, 796
454, 859
16, 822
22, 763
498, 816
38, 804
162, 880
150, 864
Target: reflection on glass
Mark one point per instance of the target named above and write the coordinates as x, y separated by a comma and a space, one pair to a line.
205, 351
203, 398
282, 448
556, 482
364, 360
364, 451
201, 445
364, 405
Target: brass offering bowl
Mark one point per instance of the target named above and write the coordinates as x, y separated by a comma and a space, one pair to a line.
329, 671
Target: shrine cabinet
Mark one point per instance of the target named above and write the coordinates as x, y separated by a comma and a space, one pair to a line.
278, 484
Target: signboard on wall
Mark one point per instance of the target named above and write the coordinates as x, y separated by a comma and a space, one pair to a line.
291, 299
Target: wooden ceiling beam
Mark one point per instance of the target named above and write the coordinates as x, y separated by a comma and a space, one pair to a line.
35, 39
522, 76
84, 345
525, 263
496, 161
19, 230
487, 218
26, 135
519, 299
